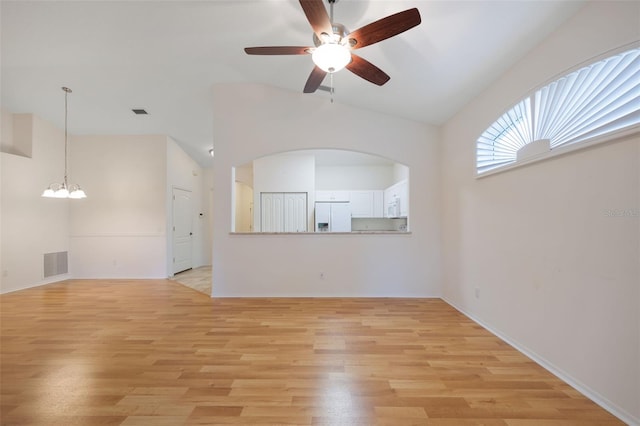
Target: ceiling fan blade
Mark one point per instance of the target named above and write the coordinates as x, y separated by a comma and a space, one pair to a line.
365, 69
317, 16
385, 28
277, 50
314, 80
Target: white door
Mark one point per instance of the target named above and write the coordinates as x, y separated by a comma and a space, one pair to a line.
271, 212
295, 212
283, 212
244, 208
182, 231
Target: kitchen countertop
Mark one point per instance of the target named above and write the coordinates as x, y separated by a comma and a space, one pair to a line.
326, 233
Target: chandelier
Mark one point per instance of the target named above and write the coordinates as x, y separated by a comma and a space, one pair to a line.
63, 189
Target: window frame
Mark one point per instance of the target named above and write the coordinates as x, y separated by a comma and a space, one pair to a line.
564, 148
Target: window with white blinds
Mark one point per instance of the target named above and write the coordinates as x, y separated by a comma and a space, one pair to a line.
600, 99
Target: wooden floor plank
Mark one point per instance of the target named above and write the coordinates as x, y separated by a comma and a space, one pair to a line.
142, 352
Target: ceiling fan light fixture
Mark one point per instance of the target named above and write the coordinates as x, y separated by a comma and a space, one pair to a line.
331, 57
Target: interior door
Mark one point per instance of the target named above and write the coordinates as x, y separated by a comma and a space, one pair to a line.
271, 212
295, 212
244, 208
182, 230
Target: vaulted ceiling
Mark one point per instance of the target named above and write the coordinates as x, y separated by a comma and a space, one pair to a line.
164, 56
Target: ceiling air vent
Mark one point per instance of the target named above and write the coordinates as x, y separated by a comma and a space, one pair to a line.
139, 112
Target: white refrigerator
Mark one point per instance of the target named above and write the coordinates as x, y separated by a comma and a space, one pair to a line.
333, 217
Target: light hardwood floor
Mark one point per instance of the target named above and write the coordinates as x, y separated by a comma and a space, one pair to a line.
157, 353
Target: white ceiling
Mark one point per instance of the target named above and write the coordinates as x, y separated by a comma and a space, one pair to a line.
164, 56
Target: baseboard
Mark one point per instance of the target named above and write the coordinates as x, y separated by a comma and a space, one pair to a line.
45, 281
558, 372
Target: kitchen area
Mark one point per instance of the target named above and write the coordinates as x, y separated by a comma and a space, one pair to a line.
321, 191
363, 210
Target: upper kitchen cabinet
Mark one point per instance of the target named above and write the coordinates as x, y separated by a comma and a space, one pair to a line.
367, 204
333, 196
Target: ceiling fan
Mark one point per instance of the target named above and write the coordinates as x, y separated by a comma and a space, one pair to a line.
334, 43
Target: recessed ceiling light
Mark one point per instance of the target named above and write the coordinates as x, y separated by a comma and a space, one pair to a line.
139, 111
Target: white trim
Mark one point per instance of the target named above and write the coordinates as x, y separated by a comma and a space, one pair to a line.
553, 369
131, 235
45, 281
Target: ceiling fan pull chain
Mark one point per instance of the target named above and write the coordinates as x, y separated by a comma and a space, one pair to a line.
331, 84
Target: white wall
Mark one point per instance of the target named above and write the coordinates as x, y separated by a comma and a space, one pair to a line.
6, 131
31, 225
400, 172
354, 265
17, 134
286, 172
556, 275
119, 230
244, 174
354, 178
207, 194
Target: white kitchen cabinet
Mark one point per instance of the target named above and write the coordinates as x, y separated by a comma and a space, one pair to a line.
366, 204
332, 196
283, 212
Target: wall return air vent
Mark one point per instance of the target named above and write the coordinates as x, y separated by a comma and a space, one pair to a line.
55, 264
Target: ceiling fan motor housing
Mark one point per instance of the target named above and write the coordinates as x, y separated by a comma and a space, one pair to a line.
340, 32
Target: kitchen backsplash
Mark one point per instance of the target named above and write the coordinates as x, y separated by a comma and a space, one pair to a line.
379, 224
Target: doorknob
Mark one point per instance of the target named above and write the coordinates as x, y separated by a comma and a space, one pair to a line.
190, 233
